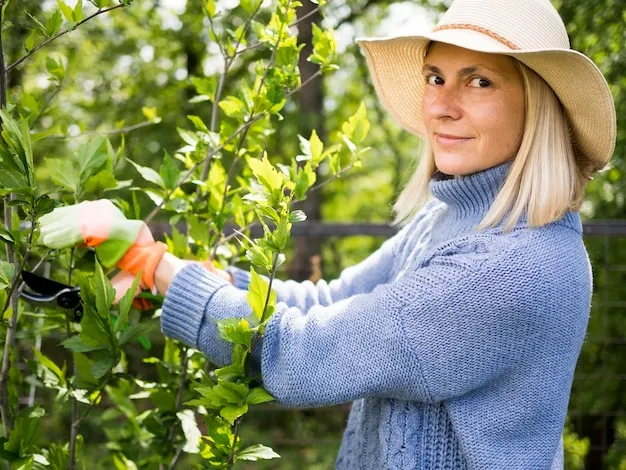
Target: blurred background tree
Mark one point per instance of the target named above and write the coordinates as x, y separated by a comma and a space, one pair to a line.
146, 58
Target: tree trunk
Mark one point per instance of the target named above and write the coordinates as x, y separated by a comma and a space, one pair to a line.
306, 259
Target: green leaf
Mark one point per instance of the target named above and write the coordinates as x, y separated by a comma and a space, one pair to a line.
151, 114
84, 376
103, 362
357, 127
235, 331
233, 107
257, 293
209, 8
257, 452
136, 330
55, 69
148, 174
77, 14
99, 182
258, 395
64, 173
297, 216
53, 24
169, 172
66, 10
7, 271
30, 41
164, 400
38, 23
125, 304
104, 292
74, 343
231, 412
265, 172
91, 156
190, 430
50, 365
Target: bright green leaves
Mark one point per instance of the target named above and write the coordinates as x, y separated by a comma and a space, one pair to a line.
257, 452
324, 49
7, 271
88, 172
235, 331
258, 292
72, 16
16, 154
21, 447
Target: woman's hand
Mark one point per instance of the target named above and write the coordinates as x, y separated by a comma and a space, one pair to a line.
118, 241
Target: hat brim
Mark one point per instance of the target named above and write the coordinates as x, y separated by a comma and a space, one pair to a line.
396, 63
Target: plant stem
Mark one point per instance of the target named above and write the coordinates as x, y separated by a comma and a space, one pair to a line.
13, 301
189, 172
122, 130
179, 402
59, 34
228, 62
73, 400
3, 69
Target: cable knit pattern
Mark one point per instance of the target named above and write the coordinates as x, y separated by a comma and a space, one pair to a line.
457, 348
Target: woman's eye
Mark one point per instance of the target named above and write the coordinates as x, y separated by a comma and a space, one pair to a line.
480, 83
434, 80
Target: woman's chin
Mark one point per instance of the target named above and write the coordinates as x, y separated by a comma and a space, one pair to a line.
452, 165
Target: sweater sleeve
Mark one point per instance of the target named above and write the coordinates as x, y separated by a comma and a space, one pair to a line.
455, 323
358, 279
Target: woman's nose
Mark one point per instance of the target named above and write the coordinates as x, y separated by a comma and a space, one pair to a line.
445, 103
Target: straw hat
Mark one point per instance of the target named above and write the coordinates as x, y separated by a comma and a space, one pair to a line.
532, 32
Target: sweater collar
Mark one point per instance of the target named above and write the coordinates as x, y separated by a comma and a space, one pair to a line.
470, 195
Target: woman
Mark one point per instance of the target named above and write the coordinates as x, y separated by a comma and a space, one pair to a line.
457, 340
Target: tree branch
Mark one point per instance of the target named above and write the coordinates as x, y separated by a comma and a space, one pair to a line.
122, 130
59, 34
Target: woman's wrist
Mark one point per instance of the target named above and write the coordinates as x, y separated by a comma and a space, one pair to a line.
170, 265
165, 271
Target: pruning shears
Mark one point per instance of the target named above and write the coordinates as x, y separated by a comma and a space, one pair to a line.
45, 292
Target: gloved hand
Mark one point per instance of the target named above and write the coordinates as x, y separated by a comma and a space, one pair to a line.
118, 241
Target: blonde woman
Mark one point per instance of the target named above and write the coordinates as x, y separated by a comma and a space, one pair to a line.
457, 340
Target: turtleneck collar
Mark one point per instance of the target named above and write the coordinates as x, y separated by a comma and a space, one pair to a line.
472, 195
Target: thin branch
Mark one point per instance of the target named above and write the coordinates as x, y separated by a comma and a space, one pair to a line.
13, 298
3, 70
122, 130
228, 62
179, 402
291, 25
189, 172
304, 17
59, 34
46, 106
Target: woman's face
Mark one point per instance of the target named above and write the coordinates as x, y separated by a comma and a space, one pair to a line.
473, 108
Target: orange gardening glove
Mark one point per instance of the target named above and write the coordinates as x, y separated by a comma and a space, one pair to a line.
143, 256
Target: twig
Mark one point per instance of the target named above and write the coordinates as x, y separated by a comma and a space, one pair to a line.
241, 129
291, 25
13, 298
59, 34
179, 402
255, 340
46, 106
228, 62
122, 130
189, 172
3, 70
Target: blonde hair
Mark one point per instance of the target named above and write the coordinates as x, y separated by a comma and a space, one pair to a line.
546, 178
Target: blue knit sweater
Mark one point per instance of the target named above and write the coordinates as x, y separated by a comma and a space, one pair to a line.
457, 348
